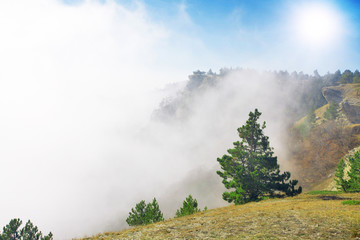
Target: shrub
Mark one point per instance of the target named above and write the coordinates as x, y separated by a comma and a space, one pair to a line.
351, 202
190, 206
145, 214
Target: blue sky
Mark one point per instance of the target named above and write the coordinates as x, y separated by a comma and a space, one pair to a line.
254, 34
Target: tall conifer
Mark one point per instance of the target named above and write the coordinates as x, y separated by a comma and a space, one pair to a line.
251, 171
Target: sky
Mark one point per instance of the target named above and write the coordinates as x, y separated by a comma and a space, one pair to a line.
80, 79
247, 33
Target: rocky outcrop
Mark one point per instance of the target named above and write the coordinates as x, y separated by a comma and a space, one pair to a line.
348, 97
332, 94
352, 111
355, 130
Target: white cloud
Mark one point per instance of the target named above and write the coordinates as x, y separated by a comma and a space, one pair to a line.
76, 85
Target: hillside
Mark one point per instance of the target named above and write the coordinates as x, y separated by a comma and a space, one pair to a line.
303, 217
316, 153
313, 156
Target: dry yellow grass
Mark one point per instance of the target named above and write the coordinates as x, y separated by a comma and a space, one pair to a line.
319, 114
302, 217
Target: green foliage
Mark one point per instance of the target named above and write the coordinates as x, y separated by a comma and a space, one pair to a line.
190, 206
341, 183
145, 214
354, 173
347, 77
29, 232
11, 230
352, 184
305, 127
356, 78
251, 171
323, 192
331, 111
351, 202
311, 117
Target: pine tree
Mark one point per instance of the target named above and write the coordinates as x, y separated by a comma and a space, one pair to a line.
347, 76
352, 184
30, 232
331, 111
11, 230
354, 173
311, 117
154, 212
190, 206
251, 171
356, 78
341, 183
145, 214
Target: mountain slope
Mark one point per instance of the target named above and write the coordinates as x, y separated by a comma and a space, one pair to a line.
315, 155
303, 217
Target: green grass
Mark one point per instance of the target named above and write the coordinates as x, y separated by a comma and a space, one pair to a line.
324, 192
351, 202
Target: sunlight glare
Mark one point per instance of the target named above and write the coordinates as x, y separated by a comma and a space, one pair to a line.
317, 25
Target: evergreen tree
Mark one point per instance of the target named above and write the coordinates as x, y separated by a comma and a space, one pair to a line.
251, 171
145, 214
190, 206
347, 77
352, 184
311, 117
30, 232
356, 78
341, 183
336, 76
154, 211
11, 230
354, 173
331, 111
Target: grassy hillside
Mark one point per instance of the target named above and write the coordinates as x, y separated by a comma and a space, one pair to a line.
308, 216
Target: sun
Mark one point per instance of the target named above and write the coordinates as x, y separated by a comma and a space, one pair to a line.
317, 25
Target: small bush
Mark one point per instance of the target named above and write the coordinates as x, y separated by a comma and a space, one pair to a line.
145, 214
190, 206
351, 202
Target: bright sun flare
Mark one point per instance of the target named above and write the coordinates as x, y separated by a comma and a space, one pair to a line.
317, 25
